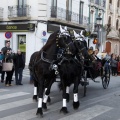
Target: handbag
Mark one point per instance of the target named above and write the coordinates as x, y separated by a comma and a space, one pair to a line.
7, 66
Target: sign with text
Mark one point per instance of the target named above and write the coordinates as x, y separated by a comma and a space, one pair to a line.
17, 27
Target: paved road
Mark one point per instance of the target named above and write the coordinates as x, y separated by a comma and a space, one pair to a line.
99, 104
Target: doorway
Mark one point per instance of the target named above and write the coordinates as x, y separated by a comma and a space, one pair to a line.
22, 44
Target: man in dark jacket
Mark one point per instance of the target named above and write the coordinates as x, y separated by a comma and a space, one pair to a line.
19, 63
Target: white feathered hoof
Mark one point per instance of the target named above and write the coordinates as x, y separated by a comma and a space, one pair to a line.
76, 105
49, 99
64, 110
44, 106
67, 97
39, 112
35, 98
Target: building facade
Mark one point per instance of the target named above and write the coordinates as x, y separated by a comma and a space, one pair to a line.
28, 23
97, 11
113, 26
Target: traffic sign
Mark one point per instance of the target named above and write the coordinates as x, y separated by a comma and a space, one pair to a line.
44, 33
8, 35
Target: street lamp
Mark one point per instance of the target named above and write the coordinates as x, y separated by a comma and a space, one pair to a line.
99, 31
99, 21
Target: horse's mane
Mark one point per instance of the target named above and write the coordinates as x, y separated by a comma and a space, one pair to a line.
50, 41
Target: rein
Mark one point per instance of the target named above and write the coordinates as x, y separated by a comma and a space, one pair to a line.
45, 59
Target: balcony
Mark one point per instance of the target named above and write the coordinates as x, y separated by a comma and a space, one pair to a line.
98, 3
19, 12
68, 17
1, 13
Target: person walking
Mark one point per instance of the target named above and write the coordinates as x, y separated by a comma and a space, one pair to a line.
4, 52
19, 63
114, 65
1, 58
8, 59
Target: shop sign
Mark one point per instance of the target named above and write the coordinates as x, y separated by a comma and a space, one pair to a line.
17, 27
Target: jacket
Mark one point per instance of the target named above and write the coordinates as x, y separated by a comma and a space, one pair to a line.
19, 61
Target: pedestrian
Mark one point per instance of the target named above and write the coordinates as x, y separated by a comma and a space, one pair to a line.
114, 64
4, 51
1, 58
19, 63
8, 59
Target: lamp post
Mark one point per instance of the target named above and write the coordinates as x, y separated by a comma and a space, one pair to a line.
99, 31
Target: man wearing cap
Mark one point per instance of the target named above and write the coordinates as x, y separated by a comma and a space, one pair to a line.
4, 51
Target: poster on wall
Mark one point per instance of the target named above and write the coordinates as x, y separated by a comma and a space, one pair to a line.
22, 43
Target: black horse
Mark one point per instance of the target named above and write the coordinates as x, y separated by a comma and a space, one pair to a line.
45, 62
70, 70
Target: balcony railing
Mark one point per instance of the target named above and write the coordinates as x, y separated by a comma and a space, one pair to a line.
19, 11
66, 15
1, 13
100, 3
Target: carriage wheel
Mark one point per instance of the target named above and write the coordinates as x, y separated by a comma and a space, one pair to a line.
106, 80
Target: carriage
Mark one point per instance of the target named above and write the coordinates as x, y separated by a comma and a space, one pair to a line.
62, 53
100, 68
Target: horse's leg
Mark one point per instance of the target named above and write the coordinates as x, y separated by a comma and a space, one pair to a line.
64, 107
40, 95
75, 92
35, 91
49, 99
67, 93
47, 92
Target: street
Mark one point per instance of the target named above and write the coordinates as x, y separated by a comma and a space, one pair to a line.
99, 104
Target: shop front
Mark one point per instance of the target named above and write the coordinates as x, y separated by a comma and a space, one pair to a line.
18, 34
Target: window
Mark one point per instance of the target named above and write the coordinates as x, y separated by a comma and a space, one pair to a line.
110, 1
109, 20
22, 10
118, 3
91, 16
97, 2
54, 3
117, 23
21, 2
54, 8
68, 9
81, 12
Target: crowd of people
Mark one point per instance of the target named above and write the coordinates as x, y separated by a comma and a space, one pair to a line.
114, 61
14, 60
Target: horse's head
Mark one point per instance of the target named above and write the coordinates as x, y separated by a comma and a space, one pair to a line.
65, 42
80, 44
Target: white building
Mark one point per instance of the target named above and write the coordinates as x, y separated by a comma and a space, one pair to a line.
97, 9
113, 21
30, 22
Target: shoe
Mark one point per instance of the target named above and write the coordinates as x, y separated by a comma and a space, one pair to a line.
2, 81
10, 84
6, 85
17, 84
20, 84
12, 80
